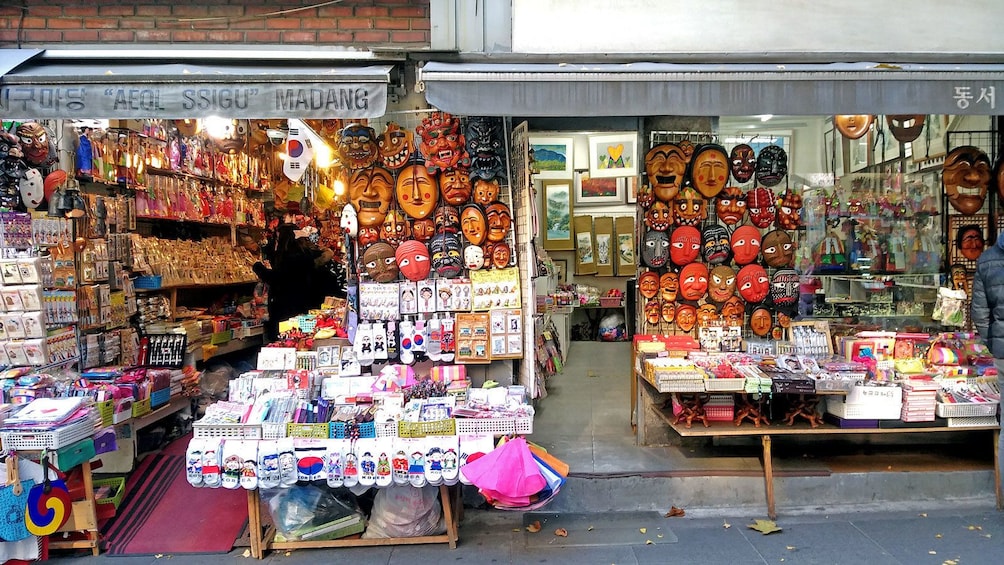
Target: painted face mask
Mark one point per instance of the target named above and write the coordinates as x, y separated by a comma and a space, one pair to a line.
686, 317
31, 189
970, 241
693, 281
486, 191
472, 224
484, 145
853, 126
446, 255
455, 184
395, 146
688, 208
752, 283
357, 146
413, 260
380, 263
760, 322
370, 191
499, 221
771, 165
646, 196
653, 310
742, 163
669, 286
423, 230
37, 144
778, 249
668, 311
665, 167
368, 236
395, 228
745, 245
417, 191
760, 203
966, 176
442, 143
684, 245
501, 255
648, 284
733, 311
789, 210
659, 216
709, 169
474, 257
447, 219
905, 127
715, 245
707, 315
730, 206
349, 222
687, 147
721, 283
655, 249
784, 287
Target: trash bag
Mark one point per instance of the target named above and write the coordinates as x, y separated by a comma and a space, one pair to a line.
404, 511
302, 511
613, 328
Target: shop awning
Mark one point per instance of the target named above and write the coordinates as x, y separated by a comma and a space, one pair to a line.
655, 88
195, 84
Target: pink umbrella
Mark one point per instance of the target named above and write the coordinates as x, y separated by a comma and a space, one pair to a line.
509, 471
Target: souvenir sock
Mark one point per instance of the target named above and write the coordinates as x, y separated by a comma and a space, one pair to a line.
232, 464
364, 344
451, 461
367, 462
419, 339
446, 340
268, 464
383, 450
407, 344
392, 342
434, 345
433, 461
287, 462
416, 467
350, 468
333, 463
309, 459
249, 470
379, 341
193, 462
211, 463
399, 467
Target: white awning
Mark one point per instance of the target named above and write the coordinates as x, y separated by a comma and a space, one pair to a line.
192, 84
652, 89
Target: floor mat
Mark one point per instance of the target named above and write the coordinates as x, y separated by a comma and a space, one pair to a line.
590, 529
162, 514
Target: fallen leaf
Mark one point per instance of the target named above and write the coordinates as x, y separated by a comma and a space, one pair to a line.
534, 527
923, 514
517, 529
675, 512
643, 530
939, 536
764, 526
589, 529
726, 525
247, 553
790, 547
932, 552
561, 533
649, 542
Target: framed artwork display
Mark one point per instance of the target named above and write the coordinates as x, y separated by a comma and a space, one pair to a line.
558, 215
631, 191
603, 237
590, 190
833, 157
613, 155
885, 147
624, 232
858, 152
552, 157
585, 248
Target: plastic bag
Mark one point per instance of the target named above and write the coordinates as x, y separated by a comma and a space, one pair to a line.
303, 511
612, 328
405, 512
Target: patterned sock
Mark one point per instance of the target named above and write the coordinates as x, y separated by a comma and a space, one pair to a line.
434, 346
363, 344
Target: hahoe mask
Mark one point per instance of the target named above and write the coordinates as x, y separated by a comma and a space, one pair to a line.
707, 315
789, 211
349, 221
730, 206
778, 249
760, 203
684, 245
455, 185
669, 286
665, 167
486, 191
357, 146
905, 127
686, 317
668, 311
380, 263
501, 255
442, 144
771, 165
417, 191
742, 163
970, 241
688, 208
760, 322
474, 257
709, 169
37, 144
447, 219
473, 224
484, 146
721, 283
966, 176
659, 216
446, 255
413, 260
499, 221
693, 281
395, 146
655, 249
648, 284
853, 126
715, 245
745, 244
753, 283
370, 192
423, 230
653, 310
395, 228
784, 287
687, 147
733, 311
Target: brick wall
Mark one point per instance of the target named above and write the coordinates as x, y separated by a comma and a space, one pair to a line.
402, 24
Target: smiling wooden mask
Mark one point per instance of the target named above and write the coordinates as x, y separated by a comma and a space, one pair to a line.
357, 146
665, 167
966, 176
472, 224
395, 146
370, 191
499, 221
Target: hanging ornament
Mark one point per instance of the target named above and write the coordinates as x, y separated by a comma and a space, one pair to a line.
299, 152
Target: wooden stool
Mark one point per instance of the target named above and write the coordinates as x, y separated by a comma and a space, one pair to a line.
692, 408
751, 411
805, 408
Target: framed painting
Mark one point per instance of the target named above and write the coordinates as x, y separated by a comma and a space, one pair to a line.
591, 191
613, 155
624, 232
552, 157
885, 147
560, 270
585, 249
931, 142
632, 189
833, 158
558, 215
858, 153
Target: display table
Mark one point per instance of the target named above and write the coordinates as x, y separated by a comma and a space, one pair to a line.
262, 535
83, 518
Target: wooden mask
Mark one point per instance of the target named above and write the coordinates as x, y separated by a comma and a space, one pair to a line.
417, 191
473, 225
707, 315
447, 219
668, 311
380, 262
423, 230
648, 284
771, 166
370, 191
413, 260
753, 283
853, 126
966, 176
455, 185
653, 310
501, 255
688, 208
693, 281
669, 286
761, 322
484, 146
395, 146
733, 311
970, 241
784, 287
659, 216
721, 283
474, 257
442, 143
715, 245
665, 167
684, 245
760, 204
742, 163
486, 191
446, 255
357, 147
37, 144
730, 206
789, 210
778, 249
905, 127
395, 228
686, 317
499, 221
655, 249
709, 169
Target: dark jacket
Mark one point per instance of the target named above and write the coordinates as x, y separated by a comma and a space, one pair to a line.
988, 298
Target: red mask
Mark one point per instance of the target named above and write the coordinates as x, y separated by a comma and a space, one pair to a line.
688, 208
731, 205
413, 260
753, 283
709, 169
368, 235
760, 322
686, 317
417, 191
684, 245
665, 166
648, 284
443, 146
669, 286
745, 245
789, 212
693, 281
742, 162
659, 216
395, 146
721, 283
760, 202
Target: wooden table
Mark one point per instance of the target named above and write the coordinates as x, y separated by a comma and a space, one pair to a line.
83, 518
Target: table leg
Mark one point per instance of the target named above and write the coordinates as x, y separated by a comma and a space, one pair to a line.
451, 524
639, 406
254, 524
997, 471
634, 390
768, 477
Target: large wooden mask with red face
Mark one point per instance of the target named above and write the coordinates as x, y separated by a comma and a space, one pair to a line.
443, 146
357, 146
753, 283
709, 169
417, 191
684, 245
693, 281
370, 191
665, 167
966, 175
745, 245
395, 146
730, 206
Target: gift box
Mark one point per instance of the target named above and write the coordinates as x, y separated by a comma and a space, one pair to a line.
448, 373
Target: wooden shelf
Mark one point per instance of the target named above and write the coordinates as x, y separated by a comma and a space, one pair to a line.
195, 285
235, 345
176, 404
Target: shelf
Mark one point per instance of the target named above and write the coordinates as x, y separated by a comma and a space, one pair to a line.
184, 221
176, 404
235, 345
191, 286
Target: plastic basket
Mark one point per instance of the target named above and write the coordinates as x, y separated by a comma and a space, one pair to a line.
724, 385
106, 411
972, 421
342, 430
966, 409
496, 426
226, 431
219, 338
421, 429
49, 439
524, 425
160, 397
147, 282
610, 301
386, 429
141, 408
317, 431
273, 430
118, 488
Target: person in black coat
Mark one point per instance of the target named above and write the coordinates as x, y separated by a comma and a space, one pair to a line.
295, 281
